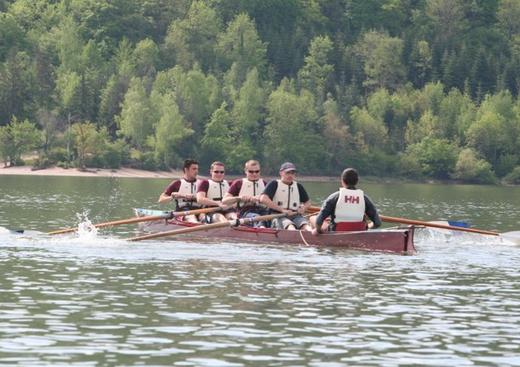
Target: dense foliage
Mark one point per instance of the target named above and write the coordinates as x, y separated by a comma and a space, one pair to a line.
420, 88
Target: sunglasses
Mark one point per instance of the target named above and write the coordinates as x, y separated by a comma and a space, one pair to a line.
291, 172
254, 171
219, 171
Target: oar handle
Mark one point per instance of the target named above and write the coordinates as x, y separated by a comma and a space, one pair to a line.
195, 211
203, 227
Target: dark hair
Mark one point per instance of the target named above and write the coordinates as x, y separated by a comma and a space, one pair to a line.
350, 177
188, 163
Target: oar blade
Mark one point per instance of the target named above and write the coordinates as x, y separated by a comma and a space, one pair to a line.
132, 220
513, 236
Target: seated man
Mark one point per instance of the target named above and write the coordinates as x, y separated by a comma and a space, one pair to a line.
246, 193
347, 207
287, 196
183, 190
211, 192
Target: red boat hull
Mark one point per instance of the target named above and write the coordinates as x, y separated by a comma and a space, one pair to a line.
399, 241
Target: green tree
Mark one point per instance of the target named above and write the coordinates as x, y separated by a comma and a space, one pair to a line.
160, 14
495, 131
369, 131
428, 125
146, 58
292, 131
507, 15
88, 141
112, 97
221, 142
12, 35
240, 45
248, 111
513, 177
17, 90
421, 67
316, 71
17, 138
447, 18
35, 16
193, 38
382, 64
486, 136
68, 86
470, 168
137, 115
340, 143
456, 113
436, 157
69, 44
113, 93
108, 23
170, 130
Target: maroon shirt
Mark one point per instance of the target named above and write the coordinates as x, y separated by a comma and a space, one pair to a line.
174, 186
204, 186
235, 187
234, 190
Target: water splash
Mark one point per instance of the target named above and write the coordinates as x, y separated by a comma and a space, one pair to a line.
86, 228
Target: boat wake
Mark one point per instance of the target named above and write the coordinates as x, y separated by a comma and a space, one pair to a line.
439, 236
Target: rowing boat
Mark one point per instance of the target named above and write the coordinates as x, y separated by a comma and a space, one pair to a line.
399, 241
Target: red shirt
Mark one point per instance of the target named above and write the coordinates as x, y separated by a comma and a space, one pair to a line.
235, 187
203, 186
174, 186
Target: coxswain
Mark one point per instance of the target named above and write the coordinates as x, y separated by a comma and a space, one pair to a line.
347, 208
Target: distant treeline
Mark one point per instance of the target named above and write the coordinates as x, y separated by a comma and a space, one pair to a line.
415, 88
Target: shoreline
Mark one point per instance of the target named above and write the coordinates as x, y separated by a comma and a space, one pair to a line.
126, 172
122, 172
94, 172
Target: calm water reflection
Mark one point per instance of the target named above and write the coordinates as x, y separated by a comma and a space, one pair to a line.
99, 300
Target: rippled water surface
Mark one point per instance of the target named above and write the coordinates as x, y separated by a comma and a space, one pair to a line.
92, 300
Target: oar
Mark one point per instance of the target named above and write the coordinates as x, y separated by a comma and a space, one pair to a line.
204, 227
513, 236
11, 231
384, 218
510, 236
148, 218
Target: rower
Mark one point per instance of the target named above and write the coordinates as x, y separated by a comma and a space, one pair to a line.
346, 208
287, 196
246, 193
184, 190
211, 192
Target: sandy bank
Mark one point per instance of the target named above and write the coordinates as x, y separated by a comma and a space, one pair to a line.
97, 172
124, 172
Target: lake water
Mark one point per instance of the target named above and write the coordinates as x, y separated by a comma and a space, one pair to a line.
98, 300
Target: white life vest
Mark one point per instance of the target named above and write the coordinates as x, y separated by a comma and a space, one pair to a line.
350, 210
252, 188
217, 190
187, 188
287, 196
